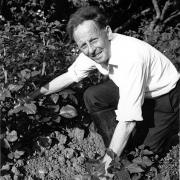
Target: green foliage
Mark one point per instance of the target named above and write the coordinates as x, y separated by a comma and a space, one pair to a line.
138, 164
38, 50
100, 3
28, 11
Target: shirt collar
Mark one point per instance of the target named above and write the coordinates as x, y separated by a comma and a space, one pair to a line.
113, 60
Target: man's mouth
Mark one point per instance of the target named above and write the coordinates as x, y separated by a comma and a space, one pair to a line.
98, 55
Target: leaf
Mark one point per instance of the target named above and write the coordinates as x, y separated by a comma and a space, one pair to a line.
35, 73
11, 155
51, 47
147, 152
96, 169
158, 177
44, 141
27, 108
73, 98
136, 176
57, 119
147, 161
123, 175
5, 144
14, 87
137, 160
82, 177
18, 154
54, 108
141, 147
2, 133
144, 161
100, 169
68, 111
12, 136
4, 93
94, 177
26, 73
134, 168
45, 119
6, 167
30, 108
115, 165
66, 93
15, 110
125, 162
55, 98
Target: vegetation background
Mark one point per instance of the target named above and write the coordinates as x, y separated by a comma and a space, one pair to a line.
53, 132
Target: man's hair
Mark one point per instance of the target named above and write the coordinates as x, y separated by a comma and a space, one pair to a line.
83, 14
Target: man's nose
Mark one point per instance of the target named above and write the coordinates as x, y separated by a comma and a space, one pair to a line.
91, 49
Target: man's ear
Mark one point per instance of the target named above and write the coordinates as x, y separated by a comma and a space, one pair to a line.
109, 32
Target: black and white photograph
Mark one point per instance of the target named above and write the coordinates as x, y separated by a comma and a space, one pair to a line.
89, 89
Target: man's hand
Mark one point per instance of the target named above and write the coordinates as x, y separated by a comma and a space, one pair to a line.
107, 160
30, 97
118, 142
33, 95
24, 99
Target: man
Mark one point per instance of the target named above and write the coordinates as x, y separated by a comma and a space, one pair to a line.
143, 86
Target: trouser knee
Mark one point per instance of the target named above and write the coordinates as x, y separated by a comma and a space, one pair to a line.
101, 97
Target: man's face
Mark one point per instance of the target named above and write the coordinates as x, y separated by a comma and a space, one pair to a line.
93, 41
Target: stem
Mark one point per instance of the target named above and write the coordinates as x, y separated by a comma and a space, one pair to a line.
156, 7
5, 76
171, 17
43, 68
44, 41
4, 50
34, 85
166, 7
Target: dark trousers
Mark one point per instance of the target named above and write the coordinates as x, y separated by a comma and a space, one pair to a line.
161, 116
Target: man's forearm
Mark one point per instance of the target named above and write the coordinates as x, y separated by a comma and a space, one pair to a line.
121, 136
57, 84
119, 140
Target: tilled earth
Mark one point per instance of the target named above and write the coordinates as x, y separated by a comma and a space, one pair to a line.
65, 155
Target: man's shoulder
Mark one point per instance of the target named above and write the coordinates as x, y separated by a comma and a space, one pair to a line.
125, 44
84, 60
121, 38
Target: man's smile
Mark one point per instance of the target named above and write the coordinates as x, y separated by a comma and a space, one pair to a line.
96, 55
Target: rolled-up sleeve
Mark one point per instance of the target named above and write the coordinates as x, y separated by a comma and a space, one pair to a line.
81, 67
132, 83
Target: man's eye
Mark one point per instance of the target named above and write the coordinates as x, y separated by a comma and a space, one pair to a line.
83, 46
94, 40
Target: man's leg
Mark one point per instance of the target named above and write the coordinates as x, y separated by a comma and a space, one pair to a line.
101, 101
165, 122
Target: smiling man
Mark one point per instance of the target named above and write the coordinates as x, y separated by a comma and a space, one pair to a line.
141, 94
